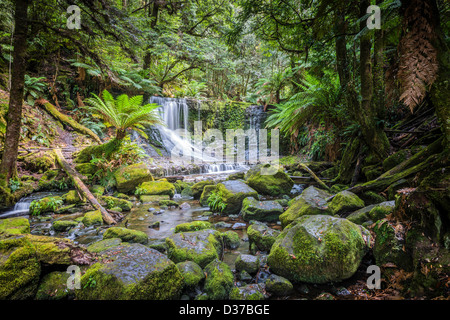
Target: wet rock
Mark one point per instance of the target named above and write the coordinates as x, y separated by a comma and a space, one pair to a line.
231, 239
92, 218
201, 246
185, 206
129, 177
319, 249
126, 235
112, 202
233, 193
262, 236
239, 225
192, 273
53, 286
222, 225
151, 209
245, 276
160, 187
155, 225
103, 245
278, 285
219, 280
247, 262
269, 180
192, 226
373, 212
248, 292
345, 201
253, 209
131, 271
16, 225
63, 225
312, 201
198, 187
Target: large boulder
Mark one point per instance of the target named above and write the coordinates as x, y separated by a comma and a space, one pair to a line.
253, 209
192, 273
312, 201
219, 280
233, 193
198, 187
129, 177
261, 237
131, 271
201, 246
373, 213
345, 201
319, 249
269, 180
157, 188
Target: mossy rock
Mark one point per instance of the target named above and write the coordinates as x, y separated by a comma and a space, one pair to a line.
149, 199
16, 225
389, 247
231, 239
278, 285
395, 159
247, 292
48, 180
372, 172
71, 197
192, 273
132, 271
236, 176
97, 151
46, 204
126, 235
92, 218
112, 202
86, 169
233, 194
312, 201
63, 225
97, 190
53, 286
262, 236
39, 162
193, 226
205, 194
219, 280
102, 245
198, 187
168, 203
371, 197
129, 177
335, 188
247, 262
157, 188
319, 249
253, 209
202, 246
345, 201
269, 180
19, 269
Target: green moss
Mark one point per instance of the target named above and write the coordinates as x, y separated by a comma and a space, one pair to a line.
345, 201
231, 239
103, 245
248, 292
97, 190
219, 280
233, 193
253, 209
39, 162
112, 202
262, 236
192, 273
394, 159
156, 188
99, 151
193, 226
197, 188
63, 225
126, 235
71, 197
53, 286
92, 218
168, 203
129, 177
44, 205
277, 183
85, 168
205, 194
17, 225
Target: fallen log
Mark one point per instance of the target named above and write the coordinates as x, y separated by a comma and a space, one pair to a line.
315, 177
81, 187
51, 109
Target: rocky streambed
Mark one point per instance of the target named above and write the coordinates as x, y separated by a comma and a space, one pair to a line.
176, 242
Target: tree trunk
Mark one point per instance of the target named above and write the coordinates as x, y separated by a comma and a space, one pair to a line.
378, 73
8, 167
153, 13
81, 187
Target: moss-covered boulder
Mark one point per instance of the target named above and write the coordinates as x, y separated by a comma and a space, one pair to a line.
319, 249
131, 271
278, 286
247, 262
253, 209
395, 159
261, 237
53, 286
233, 193
390, 244
39, 162
113, 202
231, 239
219, 280
269, 180
103, 245
198, 187
192, 273
202, 246
168, 203
71, 197
312, 201
46, 204
345, 201
155, 199
156, 188
126, 235
19, 269
16, 225
92, 218
63, 225
97, 190
129, 177
205, 194
193, 226
247, 292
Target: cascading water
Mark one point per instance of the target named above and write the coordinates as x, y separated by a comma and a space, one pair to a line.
22, 207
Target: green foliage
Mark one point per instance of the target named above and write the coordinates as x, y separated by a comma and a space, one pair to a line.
49, 204
14, 185
215, 201
33, 89
124, 112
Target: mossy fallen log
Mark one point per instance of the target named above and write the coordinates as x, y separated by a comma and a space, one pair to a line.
315, 177
81, 187
51, 109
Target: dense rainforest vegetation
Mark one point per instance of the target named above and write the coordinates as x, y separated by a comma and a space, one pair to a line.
363, 113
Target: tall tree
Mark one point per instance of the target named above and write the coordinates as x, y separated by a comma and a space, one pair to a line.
8, 167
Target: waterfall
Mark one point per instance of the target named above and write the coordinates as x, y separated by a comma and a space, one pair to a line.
22, 207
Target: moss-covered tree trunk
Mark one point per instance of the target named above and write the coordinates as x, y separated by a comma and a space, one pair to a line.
8, 167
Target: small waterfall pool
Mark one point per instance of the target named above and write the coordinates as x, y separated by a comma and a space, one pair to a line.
21, 208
